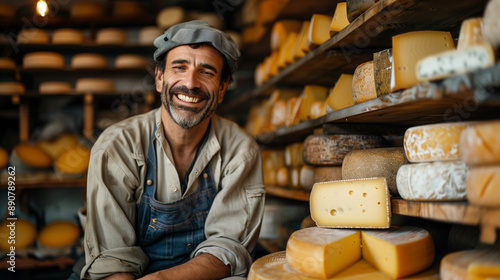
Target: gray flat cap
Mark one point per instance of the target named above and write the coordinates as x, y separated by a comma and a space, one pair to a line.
198, 31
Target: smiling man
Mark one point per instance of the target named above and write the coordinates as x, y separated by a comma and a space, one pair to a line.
176, 193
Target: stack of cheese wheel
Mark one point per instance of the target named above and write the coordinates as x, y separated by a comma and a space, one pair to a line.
33, 36
437, 172
471, 264
68, 36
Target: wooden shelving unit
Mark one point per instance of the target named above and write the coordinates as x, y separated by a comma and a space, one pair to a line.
46, 179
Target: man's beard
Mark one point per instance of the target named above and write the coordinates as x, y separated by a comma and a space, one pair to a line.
211, 102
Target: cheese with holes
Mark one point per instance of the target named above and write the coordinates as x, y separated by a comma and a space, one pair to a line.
25, 234
356, 203
483, 185
321, 252
382, 68
33, 36
339, 20
73, 161
7, 63
4, 158
327, 173
491, 23
300, 48
67, 36
363, 83
51, 87
59, 234
30, 155
433, 181
434, 142
478, 264
368, 163
451, 63
281, 30
88, 60
306, 177
356, 7
286, 50
11, 88
471, 33
340, 95
409, 48
319, 30
43, 60
293, 154
130, 61
170, 16
111, 36
310, 94
148, 34
94, 85
91, 9
480, 143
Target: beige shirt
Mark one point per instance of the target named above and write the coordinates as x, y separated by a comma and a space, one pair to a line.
116, 180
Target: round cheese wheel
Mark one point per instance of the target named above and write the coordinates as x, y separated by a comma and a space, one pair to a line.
67, 36
32, 36
170, 16
55, 147
94, 85
88, 60
282, 177
7, 10
7, 63
30, 155
111, 36
25, 234
59, 234
130, 61
125, 8
471, 264
43, 60
148, 34
73, 161
4, 158
11, 88
87, 9
363, 83
54, 87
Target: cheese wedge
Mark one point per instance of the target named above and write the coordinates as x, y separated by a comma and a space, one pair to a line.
491, 23
340, 95
339, 20
327, 173
280, 31
319, 30
471, 33
286, 50
300, 49
483, 185
310, 94
273, 69
471, 264
318, 109
382, 68
480, 143
292, 110
363, 83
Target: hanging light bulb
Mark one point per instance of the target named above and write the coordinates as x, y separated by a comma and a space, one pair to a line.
42, 8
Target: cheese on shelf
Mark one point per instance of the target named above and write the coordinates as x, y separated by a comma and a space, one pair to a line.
339, 20
455, 62
357, 7
88, 60
130, 61
7, 63
43, 60
471, 33
11, 88
382, 68
292, 110
340, 95
369, 163
67, 36
33, 36
94, 85
127, 8
273, 69
434, 142
310, 94
318, 109
300, 48
111, 36
272, 160
478, 264
319, 30
356, 203
480, 143
282, 177
30, 155
293, 154
55, 147
73, 161
483, 185
491, 23
170, 16
52, 87
306, 177
4, 158
294, 177
281, 30
363, 83
327, 173
25, 234
90, 9
411, 47
286, 50
211, 18
435, 181
59, 234
148, 34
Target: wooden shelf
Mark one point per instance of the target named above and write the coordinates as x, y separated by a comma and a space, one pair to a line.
80, 48
295, 194
28, 263
84, 22
94, 71
46, 179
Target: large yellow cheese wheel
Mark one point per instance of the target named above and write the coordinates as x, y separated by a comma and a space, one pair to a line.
170, 16
88, 60
11, 88
148, 34
32, 36
7, 63
111, 36
4, 158
57, 146
24, 233
471, 264
31, 155
67, 36
43, 60
73, 161
130, 61
87, 9
94, 85
59, 234
52, 87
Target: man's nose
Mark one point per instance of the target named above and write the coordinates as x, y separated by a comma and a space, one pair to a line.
191, 80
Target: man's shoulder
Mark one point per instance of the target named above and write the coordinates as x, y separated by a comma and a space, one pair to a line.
232, 135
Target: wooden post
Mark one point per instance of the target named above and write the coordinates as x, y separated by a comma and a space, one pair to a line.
88, 115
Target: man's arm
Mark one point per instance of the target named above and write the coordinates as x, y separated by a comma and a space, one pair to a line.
120, 276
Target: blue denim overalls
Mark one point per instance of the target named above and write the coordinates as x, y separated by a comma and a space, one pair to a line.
169, 232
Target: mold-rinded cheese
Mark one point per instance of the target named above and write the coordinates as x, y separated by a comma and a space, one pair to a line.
363, 83
88, 60
148, 34
340, 95
480, 143
357, 7
7, 63
170, 16
293, 154
339, 20
111, 36
310, 94
130, 61
285, 50
43, 60
33, 36
322, 252
90, 9
455, 62
54, 87
73, 161
356, 203
25, 235
319, 30
434, 142
300, 48
94, 85
281, 30
483, 185
59, 234
332, 149
30, 155
306, 177
471, 264
327, 173
4, 158
369, 163
409, 48
491, 23
471, 33
382, 68
433, 181
67, 36
12, 88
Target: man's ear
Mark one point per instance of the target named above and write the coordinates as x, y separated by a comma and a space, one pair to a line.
222, 89
158, 79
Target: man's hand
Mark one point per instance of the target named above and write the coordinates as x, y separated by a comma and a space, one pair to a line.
120, 276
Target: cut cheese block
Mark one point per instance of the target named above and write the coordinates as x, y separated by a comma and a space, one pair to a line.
4, 158
319, 30
281, 30
54, 87
451, 63
310, 94
148, 34
91, 9
25, 235
74, 161
43, 60
471, 33
435, 181
306, 177
322, 252
94, 85
273, 69
300, 47
340, 96
483, 185
292, 110
130, 61
368, 163
293, 154
356, 203
30, 155
127, 8
59, 234
272, 160
491, 23
170, 16
55, 147
327, 173
434, 142
11, 88
339, 20
471, 264
7, 63
286, 50
318, 109
294, 177
111, 36
382, 68
480, 143
88, 60
409, 48
33, 36
67, 36
278, 114
331, 149
363, 83
357, 7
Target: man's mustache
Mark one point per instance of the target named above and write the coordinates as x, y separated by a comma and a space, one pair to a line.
196, 92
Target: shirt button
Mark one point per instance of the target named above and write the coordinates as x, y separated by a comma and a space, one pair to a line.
189, 245
154, 220
174, 188
205, 175
149, 182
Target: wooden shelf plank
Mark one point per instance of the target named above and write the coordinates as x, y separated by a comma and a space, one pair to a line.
28, 263
83, 22
44, 179
77, 48
295, 194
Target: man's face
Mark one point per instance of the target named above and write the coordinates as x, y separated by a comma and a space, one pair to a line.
190, 86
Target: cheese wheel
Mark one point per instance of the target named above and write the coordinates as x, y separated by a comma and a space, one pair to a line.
88, 60
491, 23
435, 181
148, 34
55, 147
319, 30
480, 143
294, 175
327, 173
11, 88
363, 83
434, 142
90, 9
126, 8
73, 161
59, 234
471, 264
32, 36
170, 16
43, 60
7, 63
130, 61
54, 87
293, 154
31, 156
111, 36
281, 30
368, 163
67, 36
340, 95
483, 185
471, 33
271, 161
94, 85
282, 177
306, 177
7, 10
339, 20
382, 68
24, 233
4, 158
